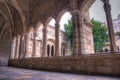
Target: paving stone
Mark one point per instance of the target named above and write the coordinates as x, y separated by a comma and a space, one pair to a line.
9, 73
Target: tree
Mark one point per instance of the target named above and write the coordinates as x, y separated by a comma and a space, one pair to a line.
68, 32
100, 35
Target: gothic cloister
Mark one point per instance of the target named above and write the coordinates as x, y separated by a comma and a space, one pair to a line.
26, 41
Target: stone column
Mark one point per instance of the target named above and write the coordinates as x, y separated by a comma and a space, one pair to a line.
25, 45
107, 9
76, 32
44, 54
12, 49
57, 28
41, 47
34, 44
17, 48
21, 47
60, 42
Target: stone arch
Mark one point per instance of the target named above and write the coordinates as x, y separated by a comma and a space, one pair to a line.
64, 47
3, 15
48, 20
3, 23
38, 25
20, 11
12, 8
86, 4
61, 14
51, 43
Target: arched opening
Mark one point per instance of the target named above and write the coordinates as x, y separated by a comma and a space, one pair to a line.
66, 32
65, 49
91, 9
51, 35
51, 43
29, 43
39, 39
48, 50
92, 43
52, 51
52, 22
106, 50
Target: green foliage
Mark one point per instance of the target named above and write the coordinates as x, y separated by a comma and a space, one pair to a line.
69, 32
99, 35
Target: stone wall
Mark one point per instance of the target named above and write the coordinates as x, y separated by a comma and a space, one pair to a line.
3, 60
106, 64
4, 51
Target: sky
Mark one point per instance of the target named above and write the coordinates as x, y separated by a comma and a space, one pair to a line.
64, 20
96, 11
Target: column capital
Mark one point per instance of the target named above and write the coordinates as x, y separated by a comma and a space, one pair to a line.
74, 12
107, 6
57, 24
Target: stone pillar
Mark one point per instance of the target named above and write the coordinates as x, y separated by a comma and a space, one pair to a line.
107, 9
60, 42
17, 48
34, 44
12, 49
57, 29
25, 45
76, 32
21, 47
41, 47
44, 54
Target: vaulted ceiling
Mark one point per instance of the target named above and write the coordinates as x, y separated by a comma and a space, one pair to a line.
19, 15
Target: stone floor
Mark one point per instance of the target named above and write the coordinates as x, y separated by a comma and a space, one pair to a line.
10, 73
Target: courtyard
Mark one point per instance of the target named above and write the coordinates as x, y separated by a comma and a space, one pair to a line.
11, 73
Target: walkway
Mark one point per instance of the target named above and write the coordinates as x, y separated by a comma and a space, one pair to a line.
9, 73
